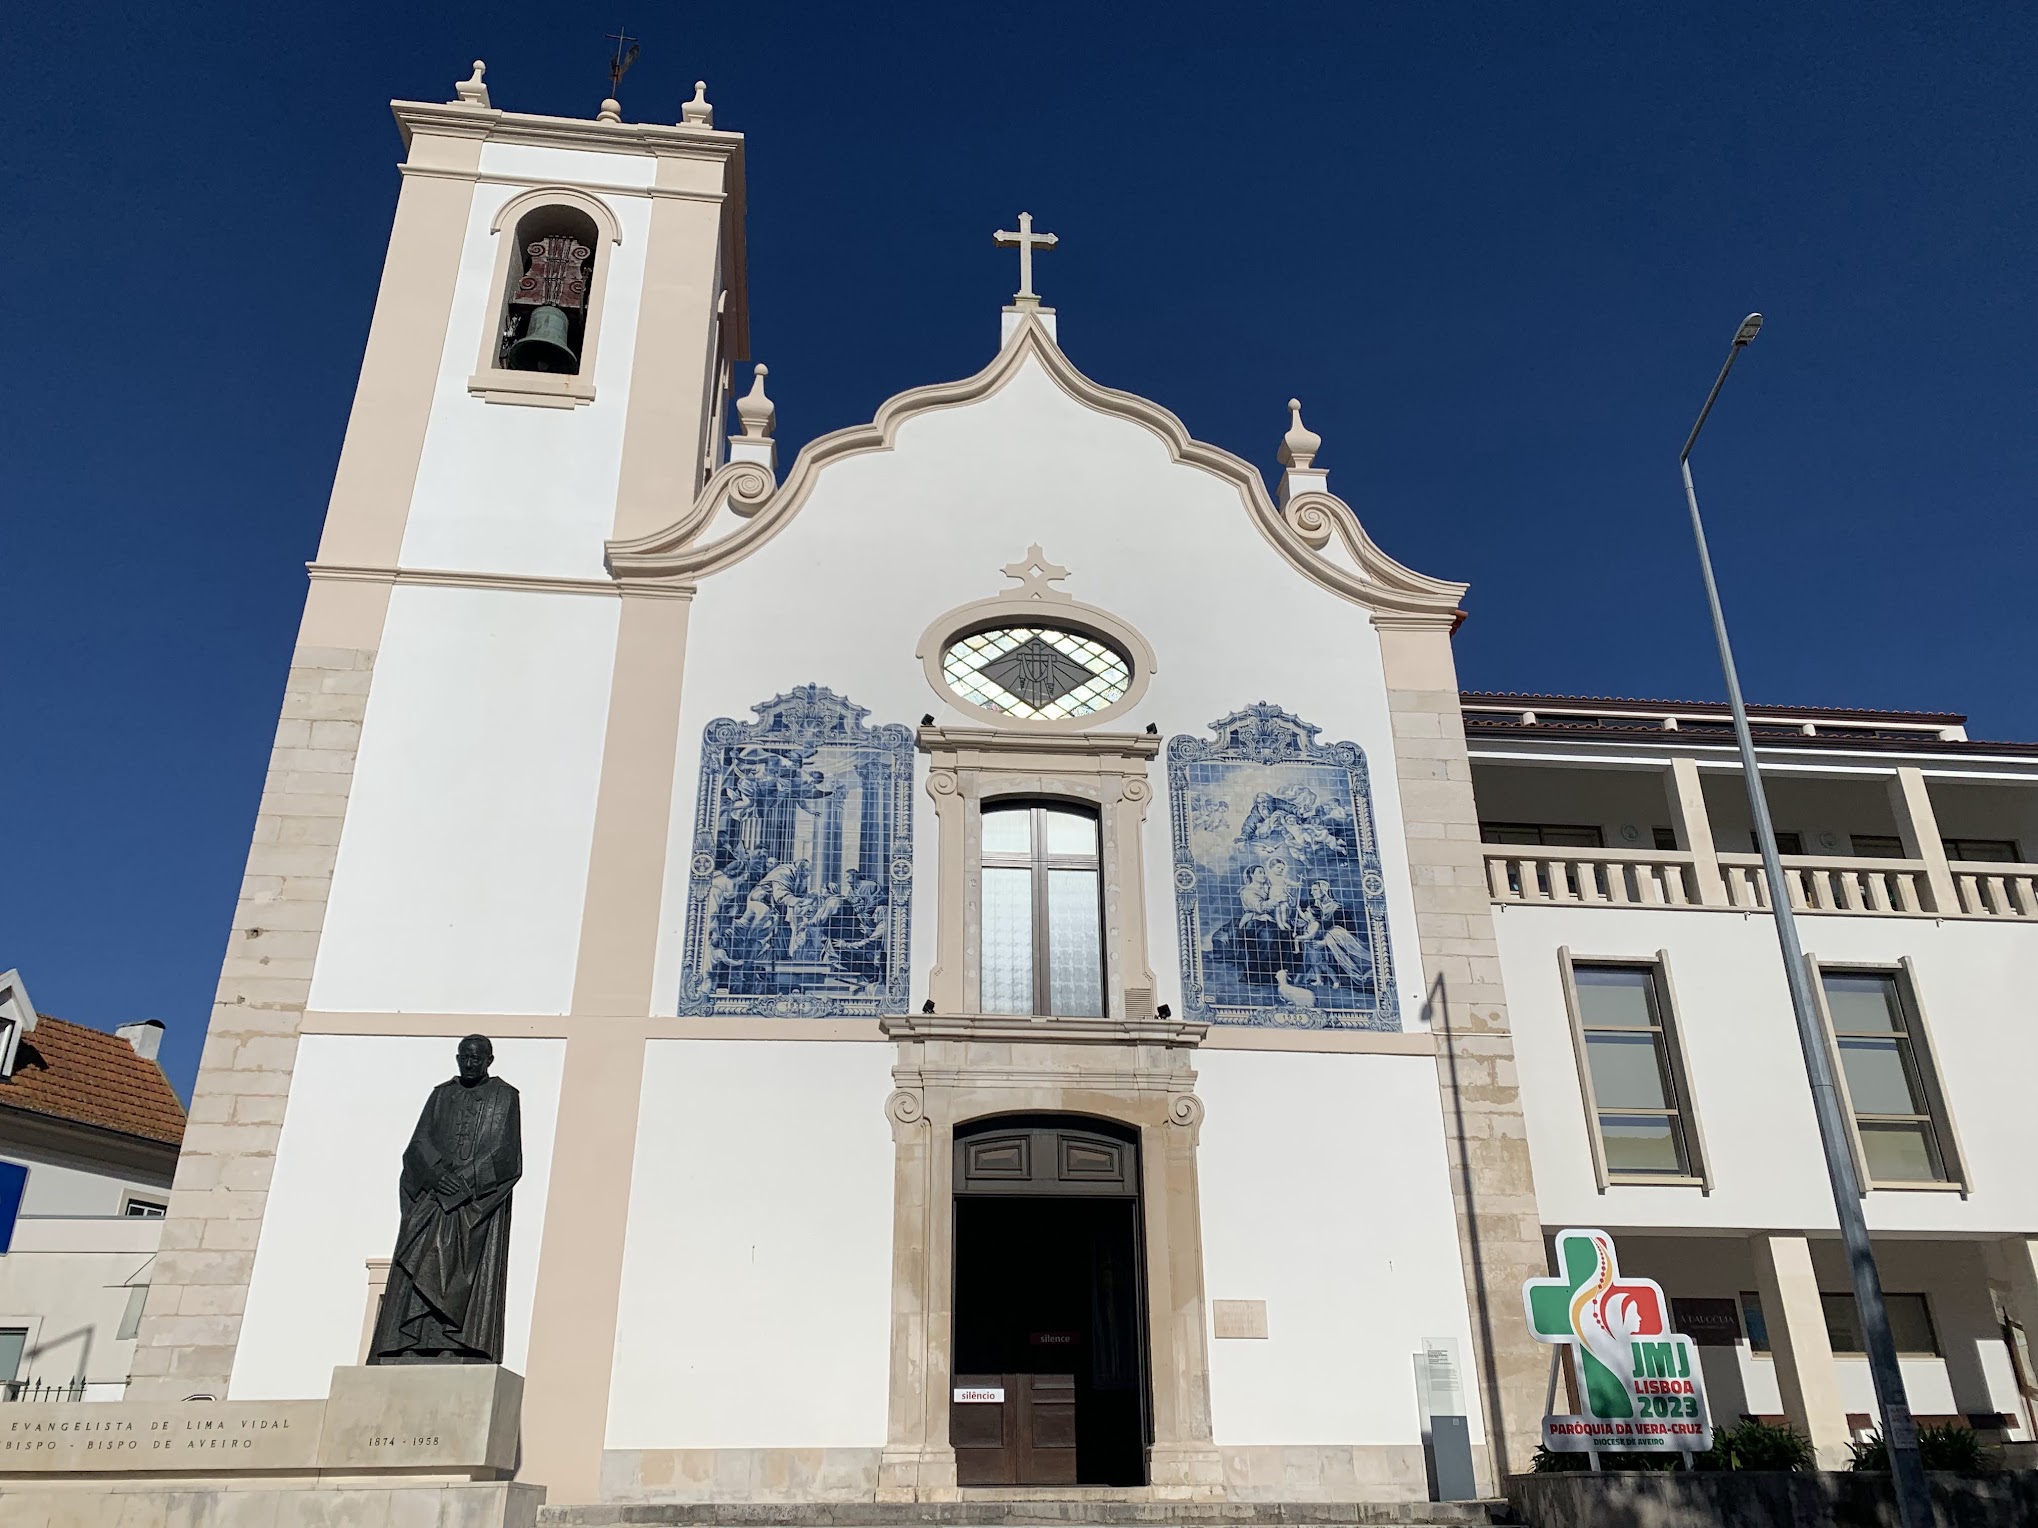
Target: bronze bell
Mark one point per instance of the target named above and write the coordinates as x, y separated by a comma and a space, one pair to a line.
543, 347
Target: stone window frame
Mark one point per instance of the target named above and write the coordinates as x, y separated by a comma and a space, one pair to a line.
1674, 1056
1024, 610
537, 389
1104, 771
1924, 1055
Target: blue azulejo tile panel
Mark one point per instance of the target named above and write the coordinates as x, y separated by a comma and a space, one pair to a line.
1279, 900
802, 875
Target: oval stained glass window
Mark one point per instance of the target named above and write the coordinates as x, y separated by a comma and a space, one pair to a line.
1043, 673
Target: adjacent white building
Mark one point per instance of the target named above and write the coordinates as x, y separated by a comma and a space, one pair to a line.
89, 1128
1661, 1076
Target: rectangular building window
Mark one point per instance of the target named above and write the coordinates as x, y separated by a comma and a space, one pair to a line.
1664, 838
1786, 842
1548, 835
1043, 946
1995, 851
1753, 1319
1633, 1071
1910, 1323
1876, 846
138, 1208
1888, 1077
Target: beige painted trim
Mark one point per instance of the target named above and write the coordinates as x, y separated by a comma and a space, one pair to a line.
580, 1258
522, 583
677, 384
1358, 1042
951, 1071
496, 384
628, 138
970, 766
633, 811
1015, 609
580, 1261
560, 1026
1297, 532
385, 437
598, 187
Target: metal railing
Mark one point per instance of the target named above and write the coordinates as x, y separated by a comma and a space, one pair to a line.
42, 1390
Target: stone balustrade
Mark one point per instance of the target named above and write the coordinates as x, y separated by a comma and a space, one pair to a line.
1888, 888
1613, 877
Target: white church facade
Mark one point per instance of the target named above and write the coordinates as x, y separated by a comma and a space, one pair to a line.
934, 957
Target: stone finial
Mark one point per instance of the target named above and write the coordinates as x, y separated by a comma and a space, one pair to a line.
758, 413
611, 111
471, 91
1300, 445
697, 112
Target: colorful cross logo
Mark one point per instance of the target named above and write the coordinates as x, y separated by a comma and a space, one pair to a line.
1639, 1380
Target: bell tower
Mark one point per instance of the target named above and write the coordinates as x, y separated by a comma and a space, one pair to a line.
472, 692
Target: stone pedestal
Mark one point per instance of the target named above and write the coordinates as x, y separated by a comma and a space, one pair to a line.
426, 1444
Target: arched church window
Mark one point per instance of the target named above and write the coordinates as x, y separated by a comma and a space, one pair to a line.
1036, 672
544, 319
1043, 910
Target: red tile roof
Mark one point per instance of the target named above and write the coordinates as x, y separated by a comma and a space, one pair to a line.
73, 1072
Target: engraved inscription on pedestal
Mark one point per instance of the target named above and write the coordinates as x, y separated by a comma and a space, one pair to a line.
170, 1436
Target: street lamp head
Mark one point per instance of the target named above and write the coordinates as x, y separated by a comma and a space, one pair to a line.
1750, 327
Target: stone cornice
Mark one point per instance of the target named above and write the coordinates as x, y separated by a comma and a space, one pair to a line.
1299, 532
1132, 745
524, 583
456, 119
1004, 1029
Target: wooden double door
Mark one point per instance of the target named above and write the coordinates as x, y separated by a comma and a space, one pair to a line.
1014, 1429
1050, 1311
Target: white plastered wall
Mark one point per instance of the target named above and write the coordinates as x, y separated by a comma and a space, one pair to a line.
756, 1296
463, 862
1747, 1072
65, 1185
1325, 1192
889, 541
333, 1204
510, 488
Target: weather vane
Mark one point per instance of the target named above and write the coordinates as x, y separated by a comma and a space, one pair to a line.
620, 64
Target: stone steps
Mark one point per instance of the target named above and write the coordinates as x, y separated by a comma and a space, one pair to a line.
1051, 1509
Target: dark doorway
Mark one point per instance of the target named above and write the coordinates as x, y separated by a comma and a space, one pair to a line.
1049, 1304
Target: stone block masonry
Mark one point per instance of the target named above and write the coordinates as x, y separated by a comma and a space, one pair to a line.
198, 1287
1499, 1224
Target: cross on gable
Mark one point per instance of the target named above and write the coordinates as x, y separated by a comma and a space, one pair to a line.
1026, 241
1035, 573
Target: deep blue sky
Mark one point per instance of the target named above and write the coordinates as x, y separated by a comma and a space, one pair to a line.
1498, 250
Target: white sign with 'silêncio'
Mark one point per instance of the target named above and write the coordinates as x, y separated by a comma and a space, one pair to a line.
994, 1394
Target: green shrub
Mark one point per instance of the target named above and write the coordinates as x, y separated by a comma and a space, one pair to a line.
1945, 1447
1753, 1445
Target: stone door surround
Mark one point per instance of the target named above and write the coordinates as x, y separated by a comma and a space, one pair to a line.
956, 1069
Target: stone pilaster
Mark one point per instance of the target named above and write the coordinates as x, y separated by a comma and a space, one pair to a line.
198, 1286
1486, 1140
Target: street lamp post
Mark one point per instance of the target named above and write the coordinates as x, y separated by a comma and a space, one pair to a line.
1900, 1435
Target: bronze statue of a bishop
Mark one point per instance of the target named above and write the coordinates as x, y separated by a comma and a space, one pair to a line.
450, 1271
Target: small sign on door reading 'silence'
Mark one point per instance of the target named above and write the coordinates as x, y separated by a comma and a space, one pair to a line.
985, 1394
